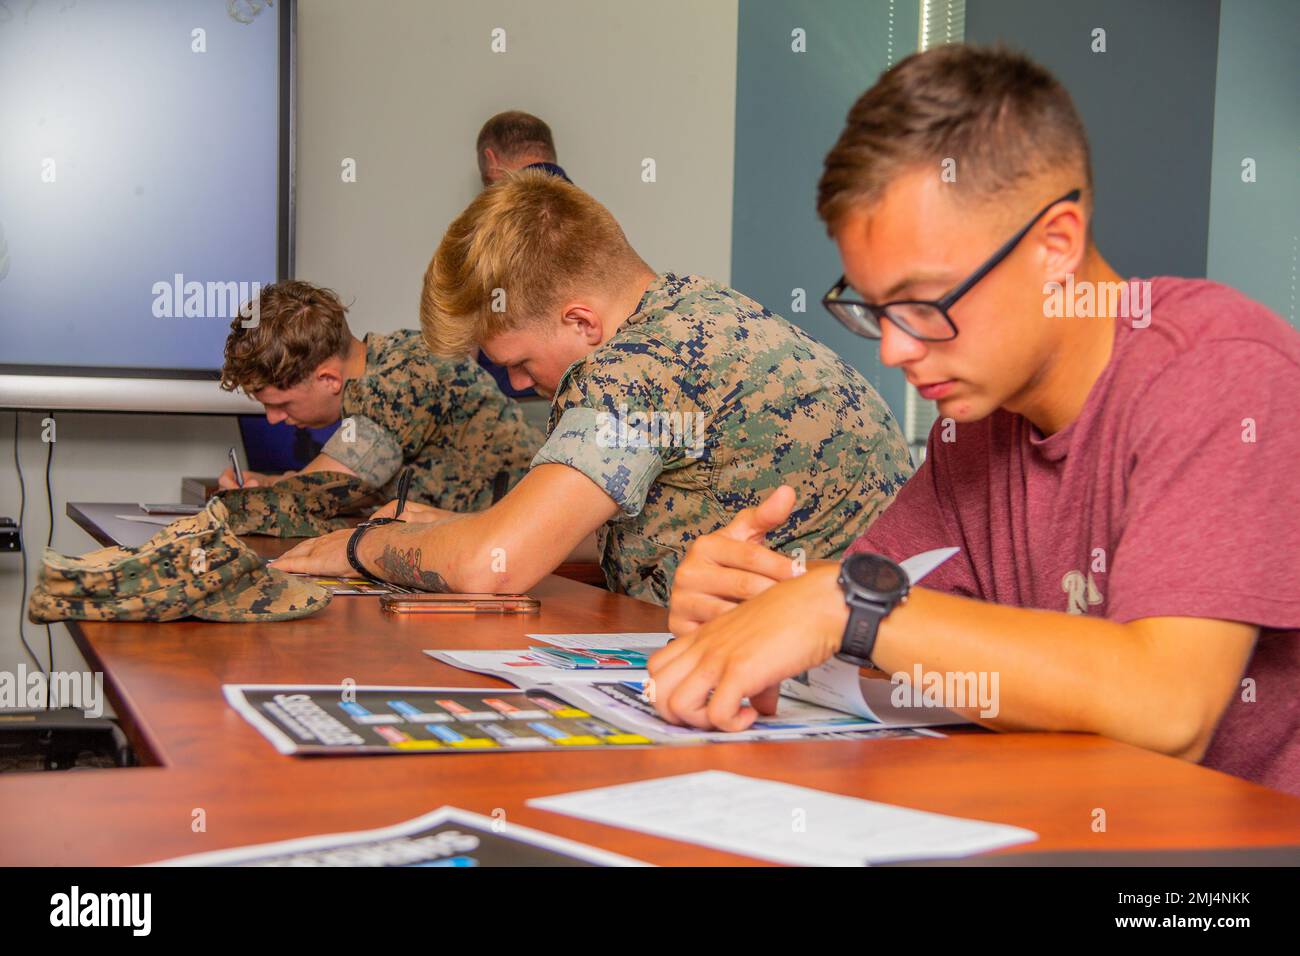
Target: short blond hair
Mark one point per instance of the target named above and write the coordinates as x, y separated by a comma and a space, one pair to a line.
520, 247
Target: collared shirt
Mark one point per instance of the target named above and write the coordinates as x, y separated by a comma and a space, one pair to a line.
553, 168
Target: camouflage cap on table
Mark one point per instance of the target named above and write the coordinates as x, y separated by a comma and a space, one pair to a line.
195, 566
303, 506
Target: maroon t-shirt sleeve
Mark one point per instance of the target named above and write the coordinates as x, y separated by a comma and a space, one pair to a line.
1212, 524
917, 521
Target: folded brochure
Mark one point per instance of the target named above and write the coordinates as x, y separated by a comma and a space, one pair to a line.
345, 719
833, 696
560, 707
356, 719
447, 836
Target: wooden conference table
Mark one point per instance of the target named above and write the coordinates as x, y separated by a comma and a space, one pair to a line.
164, 681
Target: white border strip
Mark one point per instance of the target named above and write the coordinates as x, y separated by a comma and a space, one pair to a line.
108, 394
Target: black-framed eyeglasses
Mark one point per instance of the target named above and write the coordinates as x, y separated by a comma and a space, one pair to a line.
924, 319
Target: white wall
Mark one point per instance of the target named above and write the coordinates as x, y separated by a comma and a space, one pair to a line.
403, 87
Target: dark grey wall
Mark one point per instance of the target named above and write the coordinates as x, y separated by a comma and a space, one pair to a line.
1148, 103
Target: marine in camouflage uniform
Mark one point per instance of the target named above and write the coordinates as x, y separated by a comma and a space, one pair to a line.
464, 440
698, 406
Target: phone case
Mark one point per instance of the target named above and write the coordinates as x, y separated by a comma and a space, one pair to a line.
460, 603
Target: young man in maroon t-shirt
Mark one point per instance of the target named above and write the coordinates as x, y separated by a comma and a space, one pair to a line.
1118, 461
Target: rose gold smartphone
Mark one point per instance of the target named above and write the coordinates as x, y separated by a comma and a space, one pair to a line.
460, 603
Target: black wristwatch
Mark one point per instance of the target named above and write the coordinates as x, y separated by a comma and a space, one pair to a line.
355, 539
873, 586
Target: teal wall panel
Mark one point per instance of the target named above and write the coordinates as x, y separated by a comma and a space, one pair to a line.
1254, 226
790, 108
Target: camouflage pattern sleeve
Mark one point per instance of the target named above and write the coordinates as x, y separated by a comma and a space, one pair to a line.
390, 412
445, 418
486, 434
735, 401
587, 440
370, 450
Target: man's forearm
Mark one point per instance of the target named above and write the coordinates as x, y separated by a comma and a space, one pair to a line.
417, 555
405, 565
509, 547
1055, 671
322, 462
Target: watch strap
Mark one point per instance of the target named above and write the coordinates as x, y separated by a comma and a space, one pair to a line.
860, 633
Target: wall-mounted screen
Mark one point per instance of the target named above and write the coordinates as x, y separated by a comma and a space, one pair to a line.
145, 180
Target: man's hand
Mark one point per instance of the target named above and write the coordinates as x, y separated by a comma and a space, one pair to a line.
415, 512
252, 479
730, 565
326, 555
701, 679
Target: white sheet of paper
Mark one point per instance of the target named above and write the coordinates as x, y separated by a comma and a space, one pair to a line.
781, 822
163, 520
632, 641
919, 565
840, 685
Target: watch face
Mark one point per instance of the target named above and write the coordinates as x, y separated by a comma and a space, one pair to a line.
871, 572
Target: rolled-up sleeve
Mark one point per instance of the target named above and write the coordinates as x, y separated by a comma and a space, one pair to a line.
372, 452
595, 444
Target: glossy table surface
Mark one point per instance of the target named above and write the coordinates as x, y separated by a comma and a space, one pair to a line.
164, 681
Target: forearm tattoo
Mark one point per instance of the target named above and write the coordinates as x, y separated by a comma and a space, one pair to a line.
403, 566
